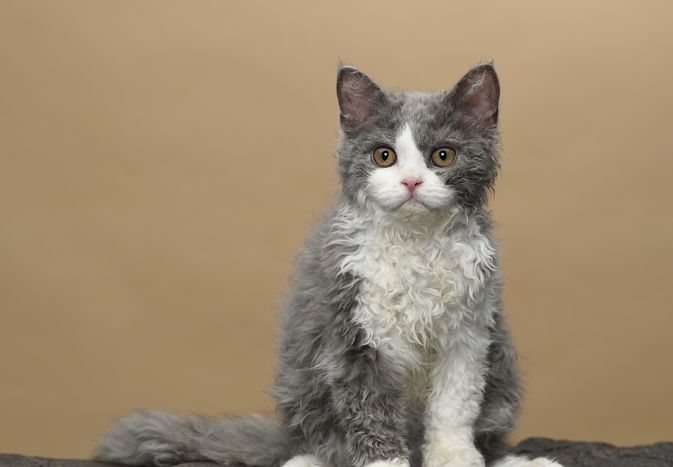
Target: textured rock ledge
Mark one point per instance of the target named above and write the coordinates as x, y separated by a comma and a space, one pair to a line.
569, 453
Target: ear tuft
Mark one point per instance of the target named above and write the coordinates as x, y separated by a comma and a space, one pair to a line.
476, 96
360, 98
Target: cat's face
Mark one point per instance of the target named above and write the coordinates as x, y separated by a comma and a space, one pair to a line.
416, 153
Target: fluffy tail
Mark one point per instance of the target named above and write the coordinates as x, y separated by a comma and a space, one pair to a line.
162, 439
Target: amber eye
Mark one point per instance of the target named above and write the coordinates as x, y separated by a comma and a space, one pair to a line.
384, 157
443, 156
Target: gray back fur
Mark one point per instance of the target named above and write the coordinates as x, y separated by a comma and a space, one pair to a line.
337, 397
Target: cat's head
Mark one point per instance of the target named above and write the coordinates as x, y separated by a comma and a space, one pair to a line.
418, 153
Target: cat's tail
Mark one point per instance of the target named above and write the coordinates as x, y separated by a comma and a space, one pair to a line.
162, 439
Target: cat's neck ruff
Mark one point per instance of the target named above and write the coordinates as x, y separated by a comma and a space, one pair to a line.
421, 282
404, 222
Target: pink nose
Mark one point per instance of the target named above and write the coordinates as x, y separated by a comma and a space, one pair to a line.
411, 183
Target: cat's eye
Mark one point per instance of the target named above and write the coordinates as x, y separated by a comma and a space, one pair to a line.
443, 157
384, 156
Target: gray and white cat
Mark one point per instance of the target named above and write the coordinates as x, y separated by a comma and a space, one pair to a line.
393, 348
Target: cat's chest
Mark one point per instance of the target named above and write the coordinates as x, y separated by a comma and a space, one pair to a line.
414, 291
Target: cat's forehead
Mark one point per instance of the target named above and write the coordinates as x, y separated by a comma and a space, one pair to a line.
425, 113
415, 105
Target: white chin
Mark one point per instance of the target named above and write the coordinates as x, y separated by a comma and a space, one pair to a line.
413, 206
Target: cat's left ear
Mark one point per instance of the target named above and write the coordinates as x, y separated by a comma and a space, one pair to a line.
360, 98
476, 96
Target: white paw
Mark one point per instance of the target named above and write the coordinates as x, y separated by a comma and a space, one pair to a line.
453, 456
521, 461
305, 460
389, 463
542, 462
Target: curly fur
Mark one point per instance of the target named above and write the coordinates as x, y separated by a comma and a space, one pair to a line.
393, 348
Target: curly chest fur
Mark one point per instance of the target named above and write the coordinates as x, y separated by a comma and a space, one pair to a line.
419, 290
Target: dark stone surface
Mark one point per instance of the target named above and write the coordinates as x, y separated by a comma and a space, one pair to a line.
584, 454
568, 453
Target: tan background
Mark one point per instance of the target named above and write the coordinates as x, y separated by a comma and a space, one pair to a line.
161, 162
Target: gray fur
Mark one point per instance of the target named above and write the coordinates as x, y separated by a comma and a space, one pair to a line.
336, 397
436, 119
159, 438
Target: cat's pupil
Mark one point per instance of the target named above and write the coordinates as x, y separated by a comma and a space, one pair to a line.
442, 155
384, 155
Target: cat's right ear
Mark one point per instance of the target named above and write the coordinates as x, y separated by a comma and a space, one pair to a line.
360, 98
475, 97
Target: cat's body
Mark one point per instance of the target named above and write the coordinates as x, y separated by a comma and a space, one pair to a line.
393, 348
413, 295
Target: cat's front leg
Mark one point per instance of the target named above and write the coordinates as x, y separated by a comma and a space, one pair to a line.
371, 413
457, 383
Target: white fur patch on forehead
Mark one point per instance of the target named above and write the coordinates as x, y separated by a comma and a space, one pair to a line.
408, 154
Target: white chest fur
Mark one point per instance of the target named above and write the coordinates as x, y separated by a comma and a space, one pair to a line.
418, 288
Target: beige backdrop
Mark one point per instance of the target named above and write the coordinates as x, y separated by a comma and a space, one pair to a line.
162, 160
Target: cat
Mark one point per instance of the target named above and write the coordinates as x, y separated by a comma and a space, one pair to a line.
393, 349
